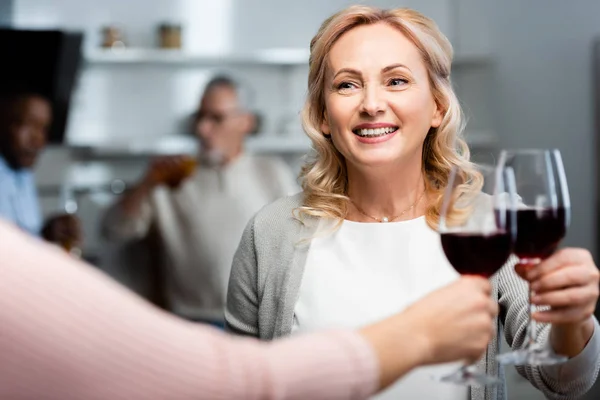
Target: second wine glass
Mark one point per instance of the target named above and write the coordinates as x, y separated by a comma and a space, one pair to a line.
542, 217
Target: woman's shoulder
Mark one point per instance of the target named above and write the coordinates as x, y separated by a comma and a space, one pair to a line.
278, 221
280, 211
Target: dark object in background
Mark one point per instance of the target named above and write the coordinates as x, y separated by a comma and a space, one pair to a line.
47, 60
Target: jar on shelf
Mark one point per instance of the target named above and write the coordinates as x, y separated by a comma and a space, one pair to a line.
169, 36
112, 37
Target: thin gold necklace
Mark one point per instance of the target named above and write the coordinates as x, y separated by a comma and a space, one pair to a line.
389, 219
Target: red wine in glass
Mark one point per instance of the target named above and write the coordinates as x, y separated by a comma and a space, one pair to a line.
477, 254
539, 232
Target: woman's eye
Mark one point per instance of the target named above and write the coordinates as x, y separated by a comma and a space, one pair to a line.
398, 82
346, 86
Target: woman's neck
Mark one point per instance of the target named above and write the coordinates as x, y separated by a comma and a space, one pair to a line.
397, 194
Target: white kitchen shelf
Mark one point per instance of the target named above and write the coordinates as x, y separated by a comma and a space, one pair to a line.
273, 57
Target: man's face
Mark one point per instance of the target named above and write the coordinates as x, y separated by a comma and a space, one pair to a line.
221, 125
24, 130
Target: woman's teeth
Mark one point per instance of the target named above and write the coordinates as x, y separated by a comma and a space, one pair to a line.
374, 132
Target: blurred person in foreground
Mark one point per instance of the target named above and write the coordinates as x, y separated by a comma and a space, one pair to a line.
387, 128
25, 118
69, 332
199, 208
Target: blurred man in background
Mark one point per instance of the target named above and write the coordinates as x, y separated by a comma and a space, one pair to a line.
200, 206
25, 118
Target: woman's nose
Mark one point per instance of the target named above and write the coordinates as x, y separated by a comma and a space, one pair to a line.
373, 101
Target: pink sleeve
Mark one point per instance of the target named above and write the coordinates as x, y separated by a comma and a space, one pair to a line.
68, 332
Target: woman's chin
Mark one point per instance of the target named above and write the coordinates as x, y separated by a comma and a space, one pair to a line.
382, 158
376, 160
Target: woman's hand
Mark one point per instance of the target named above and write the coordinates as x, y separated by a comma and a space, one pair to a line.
567, 282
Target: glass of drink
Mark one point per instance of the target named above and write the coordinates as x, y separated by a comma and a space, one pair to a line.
542, 218
475, 237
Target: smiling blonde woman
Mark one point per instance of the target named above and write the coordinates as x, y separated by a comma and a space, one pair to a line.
359, 243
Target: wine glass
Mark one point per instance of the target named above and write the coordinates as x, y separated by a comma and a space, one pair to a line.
474, 227
542, 218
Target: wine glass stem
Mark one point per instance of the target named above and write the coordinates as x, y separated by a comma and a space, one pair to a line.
531, 326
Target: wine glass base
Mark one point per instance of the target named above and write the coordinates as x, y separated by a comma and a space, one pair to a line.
532, 356
469, 376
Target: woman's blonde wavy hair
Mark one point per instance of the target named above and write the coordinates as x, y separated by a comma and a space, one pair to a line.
324, 176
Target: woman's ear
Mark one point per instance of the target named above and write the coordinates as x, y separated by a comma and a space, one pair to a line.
437, 117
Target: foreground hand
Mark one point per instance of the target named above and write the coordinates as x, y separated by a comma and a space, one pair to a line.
450, 324
567, 281
456, 321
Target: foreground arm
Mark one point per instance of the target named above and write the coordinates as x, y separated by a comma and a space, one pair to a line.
68, 332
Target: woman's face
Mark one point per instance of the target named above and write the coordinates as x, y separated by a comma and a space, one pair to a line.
378, 101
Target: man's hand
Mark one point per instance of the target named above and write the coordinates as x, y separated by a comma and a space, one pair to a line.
64, 230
